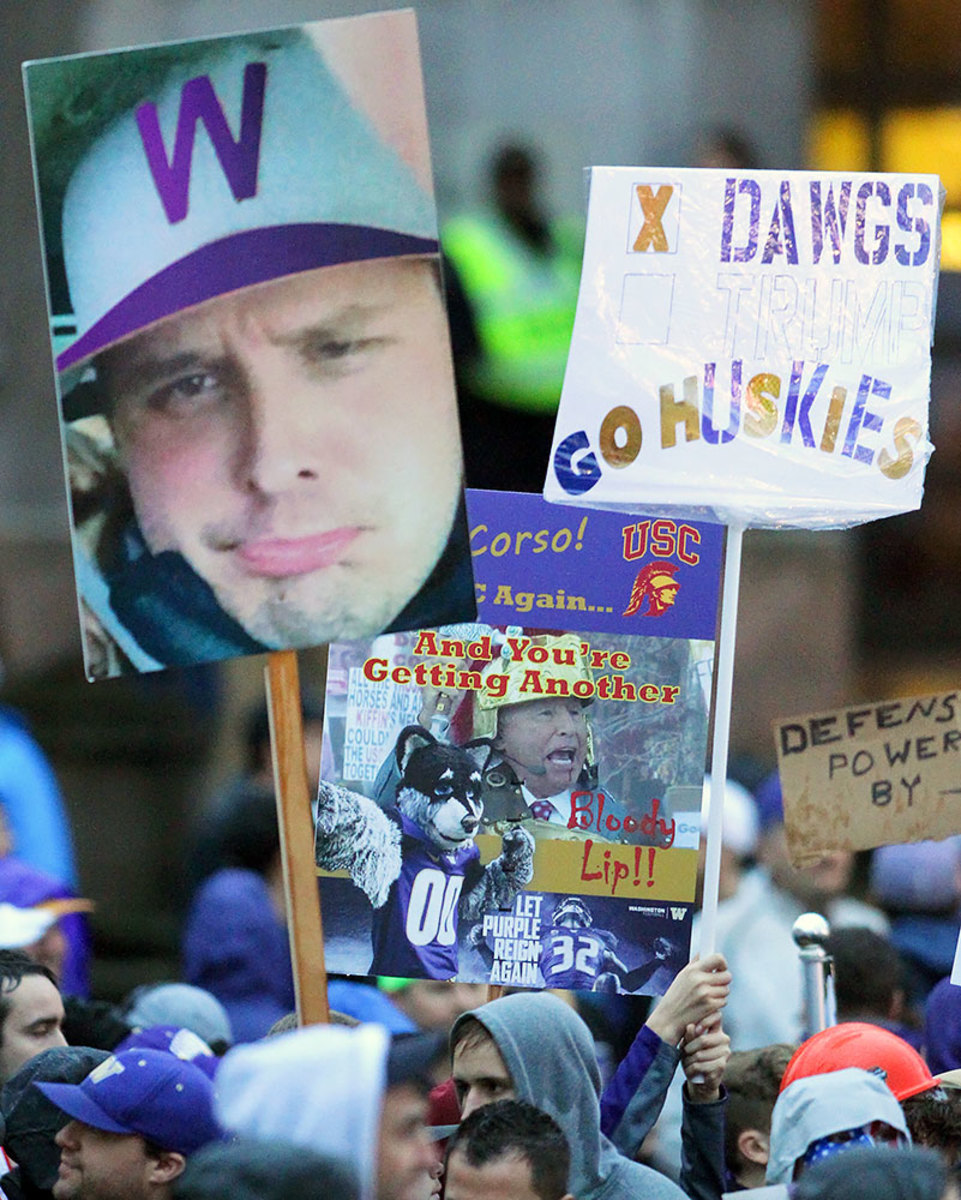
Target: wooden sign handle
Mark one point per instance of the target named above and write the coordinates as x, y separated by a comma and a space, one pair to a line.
301, 893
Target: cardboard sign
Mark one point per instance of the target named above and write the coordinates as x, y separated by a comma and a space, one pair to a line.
751, 347
871, 775
586, 690
253, 367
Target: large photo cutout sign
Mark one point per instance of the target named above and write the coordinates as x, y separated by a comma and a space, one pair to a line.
253, 367
517, 800
751, 347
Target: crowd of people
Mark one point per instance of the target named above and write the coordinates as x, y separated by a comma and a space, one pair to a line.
507, 1102
422, 1087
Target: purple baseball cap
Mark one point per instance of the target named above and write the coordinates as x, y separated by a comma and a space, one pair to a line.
151, 1093
184, 1043
918, 876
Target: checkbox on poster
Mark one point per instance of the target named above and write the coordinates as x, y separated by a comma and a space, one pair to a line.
645, 316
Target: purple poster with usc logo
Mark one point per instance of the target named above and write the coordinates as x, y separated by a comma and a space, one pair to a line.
517, 800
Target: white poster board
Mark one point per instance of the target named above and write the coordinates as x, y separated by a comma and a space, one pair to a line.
751, 347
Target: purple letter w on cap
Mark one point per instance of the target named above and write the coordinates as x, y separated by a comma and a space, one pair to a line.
239, 159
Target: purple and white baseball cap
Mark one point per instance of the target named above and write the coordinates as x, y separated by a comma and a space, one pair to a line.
164, 1099
246, 164
184, 1043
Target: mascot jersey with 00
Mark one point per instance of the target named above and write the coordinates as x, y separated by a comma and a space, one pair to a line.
415, 931
416, 861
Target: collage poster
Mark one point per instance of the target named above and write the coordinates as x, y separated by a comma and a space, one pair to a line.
517, 801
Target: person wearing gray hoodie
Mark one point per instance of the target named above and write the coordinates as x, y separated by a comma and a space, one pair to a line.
818, 1116
532, 1046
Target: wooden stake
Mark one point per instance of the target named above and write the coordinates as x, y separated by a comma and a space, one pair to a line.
296, 837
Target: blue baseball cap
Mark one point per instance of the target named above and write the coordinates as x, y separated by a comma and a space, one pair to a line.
151, 1093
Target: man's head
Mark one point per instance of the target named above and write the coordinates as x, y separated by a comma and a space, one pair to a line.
31, 1011
433, 1004
573, 913
545, 743
532, 1046
752, 1079
31, 1122
869, 975
818, 1116
258, 754
508, 1150
98, 1165
50, 949
515, 177
865, 1173
478, 1069
350, 1093
296, 443
407, 1156
33, 925
408, 1162
134, 1121
934, 1119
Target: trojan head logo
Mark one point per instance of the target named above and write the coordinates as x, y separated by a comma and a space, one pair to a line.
656, 584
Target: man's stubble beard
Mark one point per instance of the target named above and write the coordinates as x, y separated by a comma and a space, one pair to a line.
280, 621
283, 619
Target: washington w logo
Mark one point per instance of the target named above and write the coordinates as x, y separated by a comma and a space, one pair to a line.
238, 158
678, 914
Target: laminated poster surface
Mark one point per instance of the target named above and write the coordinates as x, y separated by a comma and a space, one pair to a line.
517, 800
751, 347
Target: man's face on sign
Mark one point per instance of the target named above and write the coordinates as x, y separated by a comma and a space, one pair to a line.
297, 443
545, 742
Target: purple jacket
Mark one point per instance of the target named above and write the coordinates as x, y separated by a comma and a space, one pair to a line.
235, 947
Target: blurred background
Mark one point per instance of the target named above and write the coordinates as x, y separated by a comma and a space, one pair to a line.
825, 619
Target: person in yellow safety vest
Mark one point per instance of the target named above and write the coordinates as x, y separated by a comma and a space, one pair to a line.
513, 276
